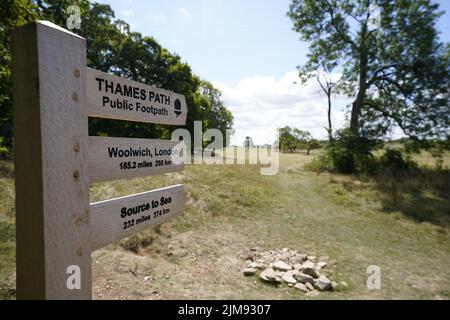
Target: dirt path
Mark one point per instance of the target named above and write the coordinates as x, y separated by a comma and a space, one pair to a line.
300, 211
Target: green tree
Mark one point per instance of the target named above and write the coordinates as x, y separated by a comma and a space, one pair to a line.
391, 61
13, 13
286, 139
217, 115
112, 47
305, 140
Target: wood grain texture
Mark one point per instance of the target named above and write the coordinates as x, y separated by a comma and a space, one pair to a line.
135, 93
52, 186
108, 158
109, 224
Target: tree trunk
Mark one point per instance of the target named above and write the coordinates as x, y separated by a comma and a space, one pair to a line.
358, 103
356, 107
330, 129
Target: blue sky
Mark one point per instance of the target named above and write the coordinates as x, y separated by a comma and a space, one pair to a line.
248, 50
224, 40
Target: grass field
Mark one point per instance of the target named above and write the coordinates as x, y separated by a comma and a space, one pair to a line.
402, 226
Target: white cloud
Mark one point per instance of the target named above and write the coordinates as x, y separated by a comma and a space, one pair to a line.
184, 12
175, 41
261, 104
127, 13
156, 17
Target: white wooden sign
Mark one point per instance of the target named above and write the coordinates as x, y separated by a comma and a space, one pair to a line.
113, 97
115, 219
124, 158
55, 160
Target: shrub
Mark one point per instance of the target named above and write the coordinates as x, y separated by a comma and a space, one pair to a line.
353, 154
394, 162
347, 154
320, 163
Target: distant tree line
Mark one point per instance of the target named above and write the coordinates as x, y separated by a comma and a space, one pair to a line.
111, 47
292, 139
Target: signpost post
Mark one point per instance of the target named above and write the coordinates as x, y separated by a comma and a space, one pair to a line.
55, 160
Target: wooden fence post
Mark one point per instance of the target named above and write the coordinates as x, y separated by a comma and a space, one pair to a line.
51, 163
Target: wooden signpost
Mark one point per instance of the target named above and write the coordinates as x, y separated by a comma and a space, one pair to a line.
55, 160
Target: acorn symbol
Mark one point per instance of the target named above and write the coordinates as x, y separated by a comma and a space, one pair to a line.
177, 107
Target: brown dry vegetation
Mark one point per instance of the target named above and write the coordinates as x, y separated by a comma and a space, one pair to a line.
354, 222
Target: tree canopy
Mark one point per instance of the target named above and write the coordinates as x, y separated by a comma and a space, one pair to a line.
113, 47
291, 139
391, 59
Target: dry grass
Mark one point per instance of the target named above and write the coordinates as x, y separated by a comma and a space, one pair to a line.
233, 208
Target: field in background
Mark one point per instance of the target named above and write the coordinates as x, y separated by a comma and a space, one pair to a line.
402, 226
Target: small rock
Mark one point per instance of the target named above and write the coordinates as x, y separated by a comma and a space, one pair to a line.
282, 266
334, 285
321, 264
263, 265
269, 275
292, 273
284, 256
312, 258
301, 287
308, 268
249, 256
297, 266
254, 265
249, 272
309, 286
288, 278
302, 256
323, 284
147, 278
344, 284
304, 278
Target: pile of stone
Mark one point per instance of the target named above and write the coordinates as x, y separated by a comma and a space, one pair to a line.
298, 270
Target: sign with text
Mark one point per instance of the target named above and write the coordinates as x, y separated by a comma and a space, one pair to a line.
113, 97
124, 158
118, 218
55, 160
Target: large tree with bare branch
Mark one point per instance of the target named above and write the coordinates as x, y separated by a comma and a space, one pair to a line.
390, 57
